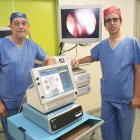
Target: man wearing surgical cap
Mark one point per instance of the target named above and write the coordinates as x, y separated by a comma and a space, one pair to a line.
16, 15
119, 56
17, 58
111, 10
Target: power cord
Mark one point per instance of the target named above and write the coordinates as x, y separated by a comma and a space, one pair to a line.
24, 99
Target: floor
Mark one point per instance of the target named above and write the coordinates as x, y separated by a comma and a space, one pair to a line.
136, 134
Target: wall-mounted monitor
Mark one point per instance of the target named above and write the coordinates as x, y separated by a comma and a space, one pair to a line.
54, 86
79, 24
5, 31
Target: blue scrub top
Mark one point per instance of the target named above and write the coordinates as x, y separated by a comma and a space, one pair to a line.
15, 65
117, 64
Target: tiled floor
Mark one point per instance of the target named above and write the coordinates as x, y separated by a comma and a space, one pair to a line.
136, 135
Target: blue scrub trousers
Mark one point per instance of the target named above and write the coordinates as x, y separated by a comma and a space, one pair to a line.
11, 112
119, 121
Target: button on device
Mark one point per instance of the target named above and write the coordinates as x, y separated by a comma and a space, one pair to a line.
54, 126
37, 78
39, 83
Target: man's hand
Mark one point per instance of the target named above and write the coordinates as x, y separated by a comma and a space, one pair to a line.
136, 99
87, 59
49, 60
75, 63
135, 102
3, 112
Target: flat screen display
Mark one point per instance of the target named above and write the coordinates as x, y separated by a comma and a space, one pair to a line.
4, 33
80, 24
56, 81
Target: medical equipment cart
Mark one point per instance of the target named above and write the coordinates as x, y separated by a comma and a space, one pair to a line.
21, 128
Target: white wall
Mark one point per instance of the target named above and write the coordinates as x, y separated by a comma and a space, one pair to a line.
93, 100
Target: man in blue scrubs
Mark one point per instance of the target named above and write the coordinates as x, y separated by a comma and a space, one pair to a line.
119, 56
17, 57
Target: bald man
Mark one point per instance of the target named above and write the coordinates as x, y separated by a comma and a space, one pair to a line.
119, 56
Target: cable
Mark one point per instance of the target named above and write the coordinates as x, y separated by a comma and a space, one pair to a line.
61, 47
69, 49
30, 37
76, 52
24, 98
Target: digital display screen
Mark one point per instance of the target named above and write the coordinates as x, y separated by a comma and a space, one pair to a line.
5, 33
56, 81
80, 23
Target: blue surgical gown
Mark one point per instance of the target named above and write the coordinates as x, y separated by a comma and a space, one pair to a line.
117, 86
15, 65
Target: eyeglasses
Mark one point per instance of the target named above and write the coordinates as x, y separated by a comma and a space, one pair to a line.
23, 23
114, 20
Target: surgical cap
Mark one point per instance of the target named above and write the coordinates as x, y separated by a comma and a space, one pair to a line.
111, 10
17, 15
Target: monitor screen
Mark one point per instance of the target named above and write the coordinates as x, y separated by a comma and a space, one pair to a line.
54, 87
56, 81
79, 24
5, 31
